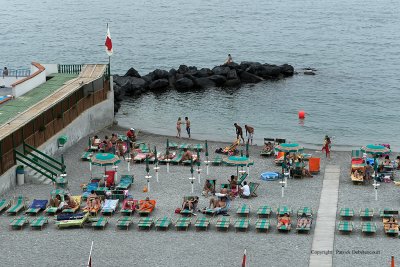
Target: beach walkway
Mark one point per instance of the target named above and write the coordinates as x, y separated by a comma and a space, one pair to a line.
324, 235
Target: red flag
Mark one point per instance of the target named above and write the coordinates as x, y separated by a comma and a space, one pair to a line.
244, 259
108, 43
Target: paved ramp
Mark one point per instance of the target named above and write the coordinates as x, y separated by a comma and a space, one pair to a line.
324, 234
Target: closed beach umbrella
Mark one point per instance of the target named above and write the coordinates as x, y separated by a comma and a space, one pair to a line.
155, 155
147, 165
198, 159
247, 150
191, 166
206, 154
375, 150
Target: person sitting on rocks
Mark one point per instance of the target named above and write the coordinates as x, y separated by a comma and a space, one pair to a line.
228, 60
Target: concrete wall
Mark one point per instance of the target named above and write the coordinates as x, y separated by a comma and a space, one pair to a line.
29, 83
7, 81
90, 121
50, 68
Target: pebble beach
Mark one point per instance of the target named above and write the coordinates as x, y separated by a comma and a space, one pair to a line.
113, 247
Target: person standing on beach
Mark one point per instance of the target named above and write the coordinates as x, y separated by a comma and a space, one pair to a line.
187, 125
249, 130
178, 127
239, 132
327, 147
5, 72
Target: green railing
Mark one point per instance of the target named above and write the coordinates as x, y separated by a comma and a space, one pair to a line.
42, 158
35, 166
71, 68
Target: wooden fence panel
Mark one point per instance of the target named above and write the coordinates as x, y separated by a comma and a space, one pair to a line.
49, 132
58, 125
39, 138
8, 160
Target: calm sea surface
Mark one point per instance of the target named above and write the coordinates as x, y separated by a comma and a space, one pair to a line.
354, 45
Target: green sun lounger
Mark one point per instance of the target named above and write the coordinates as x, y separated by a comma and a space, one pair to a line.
19, 223
162, 223
18, 205
284, 228
283, 209
51, 211
367, 214
86, 155
263, 225
109, 207
144, 148
368, 228
39, 222
99, 223
216, 161
145, 223
172, 145
266, 153
304, 228
73, 223
36, 207
202, 224
223, 224
346, 213
178, 158
305, 210
124, 223
345, 227
243, 211
183, 223
125, 182
241, 224
184, 146
211, 212
253, 188
388, 213
61, 182
197, 147
58, 191
264, 212
242, 178
4, 204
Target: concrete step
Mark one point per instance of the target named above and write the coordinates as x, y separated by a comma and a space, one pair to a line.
36, 177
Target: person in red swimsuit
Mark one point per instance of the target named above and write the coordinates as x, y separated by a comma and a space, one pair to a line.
326, 147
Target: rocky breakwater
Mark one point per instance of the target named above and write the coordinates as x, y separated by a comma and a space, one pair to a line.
187, 78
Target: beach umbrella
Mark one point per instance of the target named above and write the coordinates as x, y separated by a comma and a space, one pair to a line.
247, 150
156, 168
148, 173
191, 171
206, 154
198, 164
237, 161
375, 150
104, 159
287, 148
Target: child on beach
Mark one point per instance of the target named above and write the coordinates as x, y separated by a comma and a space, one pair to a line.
327, 147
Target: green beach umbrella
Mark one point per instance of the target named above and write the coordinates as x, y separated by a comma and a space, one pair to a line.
198, 158
206, 149
147, 165
104, 159
155, 155
191, 166
89, 143
287, 148
247, 150
167, 151
241, 152
237, 161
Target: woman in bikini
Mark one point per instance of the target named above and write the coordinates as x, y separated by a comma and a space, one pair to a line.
178, 127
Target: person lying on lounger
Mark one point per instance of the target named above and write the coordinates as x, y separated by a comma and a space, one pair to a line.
217, 204
69, 203
146, 205
56, 202
284, 220
305, 172
268, 147
303, 221
190, 203
187, 155
93, 201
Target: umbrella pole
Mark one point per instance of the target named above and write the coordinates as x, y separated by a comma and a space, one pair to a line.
198, 172
167, 165
156, 168
192, 187
90, 167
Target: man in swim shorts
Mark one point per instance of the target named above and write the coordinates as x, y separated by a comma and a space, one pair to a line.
249, 130
187, 125
239, 131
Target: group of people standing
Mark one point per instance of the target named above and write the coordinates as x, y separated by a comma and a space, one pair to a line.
178, 126
249, 133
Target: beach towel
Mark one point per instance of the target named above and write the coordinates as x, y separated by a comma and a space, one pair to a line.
110, 205
110, 178
89, 188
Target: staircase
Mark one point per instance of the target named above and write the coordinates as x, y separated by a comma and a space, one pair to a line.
41, 168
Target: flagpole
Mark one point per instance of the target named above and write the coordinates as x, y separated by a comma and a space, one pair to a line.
90, 256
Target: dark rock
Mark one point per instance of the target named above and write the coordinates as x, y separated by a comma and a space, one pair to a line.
160, 74
134, 86
287, 70
232, 83
233, 65
221, 70
192, 68
148, 78
179, 76
172, 72
246, 64
184, 84
250, 78
121, 80
219, 80
171, 81
231, 75
204, 82
268, 71
159, 84
204, 72
183, 69
132, 73
191, 77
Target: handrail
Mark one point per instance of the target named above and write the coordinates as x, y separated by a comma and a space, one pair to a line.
35, 158
70, 68
23, 158
40, 70
44, 155
16, 73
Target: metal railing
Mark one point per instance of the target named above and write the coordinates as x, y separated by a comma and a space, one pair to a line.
43, 158
35, 166
70, 69
16, 73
